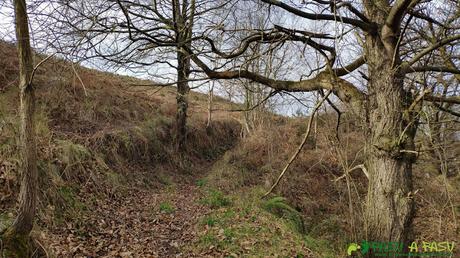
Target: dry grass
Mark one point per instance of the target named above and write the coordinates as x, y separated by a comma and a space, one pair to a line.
101, 134
114, 134
310, 185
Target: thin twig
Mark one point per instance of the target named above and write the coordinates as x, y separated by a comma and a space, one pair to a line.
38, 65
418, 99
79, 78
271, 94
361, 166
307, 133
43, 248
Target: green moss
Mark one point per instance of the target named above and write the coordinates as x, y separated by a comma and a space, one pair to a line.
5, 221
279, 207
15, 245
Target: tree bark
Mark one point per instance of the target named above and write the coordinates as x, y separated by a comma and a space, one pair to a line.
16, 237
183, 16
183, 89
210, 99
27, 198
391, 131
389, 202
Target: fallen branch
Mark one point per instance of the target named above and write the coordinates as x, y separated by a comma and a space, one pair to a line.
307, 133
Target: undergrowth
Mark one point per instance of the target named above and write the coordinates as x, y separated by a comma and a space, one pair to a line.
98, 139
215, 199
250, 227
279, 207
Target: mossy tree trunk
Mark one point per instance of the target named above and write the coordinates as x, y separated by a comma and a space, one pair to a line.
16, 237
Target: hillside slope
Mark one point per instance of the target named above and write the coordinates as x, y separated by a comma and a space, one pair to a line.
111, 184
330, 203
100, 139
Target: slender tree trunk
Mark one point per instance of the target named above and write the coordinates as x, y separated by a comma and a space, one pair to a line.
16, 237
210, 99
247, 105
184, 18
183, 89
390, 134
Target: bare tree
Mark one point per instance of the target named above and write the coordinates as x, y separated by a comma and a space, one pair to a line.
16, 237
383, 94
140, 35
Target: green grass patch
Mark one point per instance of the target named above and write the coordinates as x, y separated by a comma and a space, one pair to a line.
70, 199
215, 199
164, 179
201, 182
322, 247
208, 239
166, 207
246, 229
209, 221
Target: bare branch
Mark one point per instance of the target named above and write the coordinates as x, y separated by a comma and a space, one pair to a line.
451, 99
316, 16
345, 90
428, 68
351, 67
430, 49
304, 141
38, 65
450, 111
397, 13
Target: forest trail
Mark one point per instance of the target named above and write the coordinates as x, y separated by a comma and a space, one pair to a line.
141, 223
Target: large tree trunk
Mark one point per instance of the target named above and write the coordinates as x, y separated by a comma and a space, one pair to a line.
16, 237
390, 135
390, 206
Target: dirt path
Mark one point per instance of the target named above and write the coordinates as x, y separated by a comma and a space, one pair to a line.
142, 223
